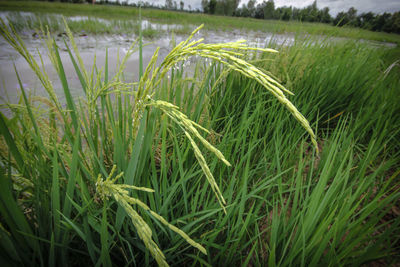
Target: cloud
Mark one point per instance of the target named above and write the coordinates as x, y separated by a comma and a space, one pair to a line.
361, 5
336, 6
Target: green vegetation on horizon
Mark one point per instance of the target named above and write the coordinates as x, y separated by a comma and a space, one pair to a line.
286, 204
387, 22
184, 18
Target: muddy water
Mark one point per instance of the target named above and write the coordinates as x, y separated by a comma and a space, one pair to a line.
89, 47
95, 46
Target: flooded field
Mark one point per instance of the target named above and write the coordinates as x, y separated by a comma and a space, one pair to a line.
91, 46
95, 45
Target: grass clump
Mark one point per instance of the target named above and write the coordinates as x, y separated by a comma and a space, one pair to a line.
63, 151
108, 188
337, 207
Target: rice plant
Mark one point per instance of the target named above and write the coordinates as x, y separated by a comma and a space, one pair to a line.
54, 156
296, 208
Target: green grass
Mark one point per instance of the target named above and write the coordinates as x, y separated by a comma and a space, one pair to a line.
90, 25
183, 18
286, 205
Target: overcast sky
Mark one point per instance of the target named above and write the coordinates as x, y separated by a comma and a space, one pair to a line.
376, 6
335, 6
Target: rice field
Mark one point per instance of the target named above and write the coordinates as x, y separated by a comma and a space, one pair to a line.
125, 14
286, 155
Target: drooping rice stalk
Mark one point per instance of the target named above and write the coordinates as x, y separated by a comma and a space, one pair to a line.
80, 154
106, 188
229, 55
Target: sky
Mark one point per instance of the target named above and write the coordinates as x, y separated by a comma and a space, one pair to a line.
335, 6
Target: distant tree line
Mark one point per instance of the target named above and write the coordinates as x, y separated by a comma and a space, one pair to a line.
220, 7
388, 22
